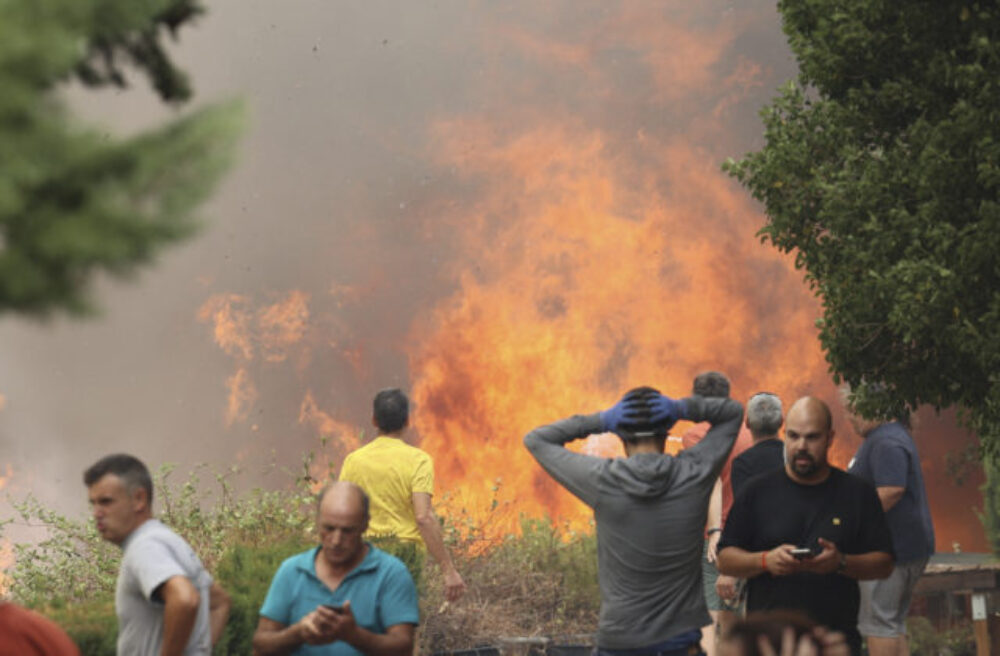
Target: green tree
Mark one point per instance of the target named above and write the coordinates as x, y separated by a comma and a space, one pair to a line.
73, 200
880, 172
990, 517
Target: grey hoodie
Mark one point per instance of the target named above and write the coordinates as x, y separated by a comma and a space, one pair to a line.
650, 511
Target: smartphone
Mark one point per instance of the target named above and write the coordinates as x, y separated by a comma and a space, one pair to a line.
336, 609
802, 552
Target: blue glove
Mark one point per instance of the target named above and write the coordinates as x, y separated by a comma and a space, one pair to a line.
632, 410
664, 409
614, 415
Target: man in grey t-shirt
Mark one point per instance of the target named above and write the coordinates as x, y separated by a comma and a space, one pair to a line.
167, 604
650, 509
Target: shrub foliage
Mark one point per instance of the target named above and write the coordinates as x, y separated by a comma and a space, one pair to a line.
540, 582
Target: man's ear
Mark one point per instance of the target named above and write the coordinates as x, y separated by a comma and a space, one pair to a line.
140, 500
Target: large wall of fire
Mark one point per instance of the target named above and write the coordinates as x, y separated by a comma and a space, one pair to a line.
515, 211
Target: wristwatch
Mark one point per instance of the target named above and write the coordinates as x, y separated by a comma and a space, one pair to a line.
842, 566
714, 529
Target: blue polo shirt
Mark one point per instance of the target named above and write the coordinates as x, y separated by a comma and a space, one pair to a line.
380, 590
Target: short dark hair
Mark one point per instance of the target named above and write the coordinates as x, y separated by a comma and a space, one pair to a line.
639, 426
712, 384
391, 410
132, 472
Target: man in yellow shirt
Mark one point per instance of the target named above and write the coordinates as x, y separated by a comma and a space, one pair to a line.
399, 480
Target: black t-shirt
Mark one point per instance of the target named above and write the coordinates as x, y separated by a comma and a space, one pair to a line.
761, 458
773, 510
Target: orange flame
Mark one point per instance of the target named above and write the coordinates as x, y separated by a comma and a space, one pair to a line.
242, 331
242, 395
282, 325
599, 278
231, 322
342, 438
593, 259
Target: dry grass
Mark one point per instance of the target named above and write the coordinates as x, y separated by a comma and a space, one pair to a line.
542, 582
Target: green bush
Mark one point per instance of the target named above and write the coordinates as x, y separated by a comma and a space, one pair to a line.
411, 553
92, 625
246, 572
540, 582
925, 639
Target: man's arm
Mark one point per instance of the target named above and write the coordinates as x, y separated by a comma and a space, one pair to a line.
725, 415
275, 639
218, 610
430, 531
324, 626
576, 472
396, 641
890, 469
863, 566
744, 564
713, 528
890, 495
180, 610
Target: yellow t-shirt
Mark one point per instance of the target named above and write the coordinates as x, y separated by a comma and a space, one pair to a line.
390, 471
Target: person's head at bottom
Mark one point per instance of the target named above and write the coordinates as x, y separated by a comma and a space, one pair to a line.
772, 633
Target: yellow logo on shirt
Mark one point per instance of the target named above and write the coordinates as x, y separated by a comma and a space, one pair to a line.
836, 521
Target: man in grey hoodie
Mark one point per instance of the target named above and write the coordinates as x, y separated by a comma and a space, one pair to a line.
650, 510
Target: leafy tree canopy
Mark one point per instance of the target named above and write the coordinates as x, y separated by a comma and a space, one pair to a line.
880, 172
73, 200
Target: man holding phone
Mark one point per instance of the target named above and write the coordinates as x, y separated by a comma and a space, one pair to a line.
804, 535
342, 598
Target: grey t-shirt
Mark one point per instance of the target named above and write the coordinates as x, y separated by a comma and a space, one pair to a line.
152, 554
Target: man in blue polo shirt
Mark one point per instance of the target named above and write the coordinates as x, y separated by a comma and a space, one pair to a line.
343, 597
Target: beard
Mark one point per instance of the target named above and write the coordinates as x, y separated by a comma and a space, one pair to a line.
807, 468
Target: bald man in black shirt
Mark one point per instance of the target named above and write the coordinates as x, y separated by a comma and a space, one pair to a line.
808, 505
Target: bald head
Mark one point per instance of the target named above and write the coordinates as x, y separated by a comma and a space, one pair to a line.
808, 433
343, 497
813, 410
341, 521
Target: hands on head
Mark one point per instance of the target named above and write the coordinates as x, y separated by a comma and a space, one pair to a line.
642, 407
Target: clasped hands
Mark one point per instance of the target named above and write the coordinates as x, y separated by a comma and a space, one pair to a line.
325, 625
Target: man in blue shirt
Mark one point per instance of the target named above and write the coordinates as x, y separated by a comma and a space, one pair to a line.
342, 598
888, 459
